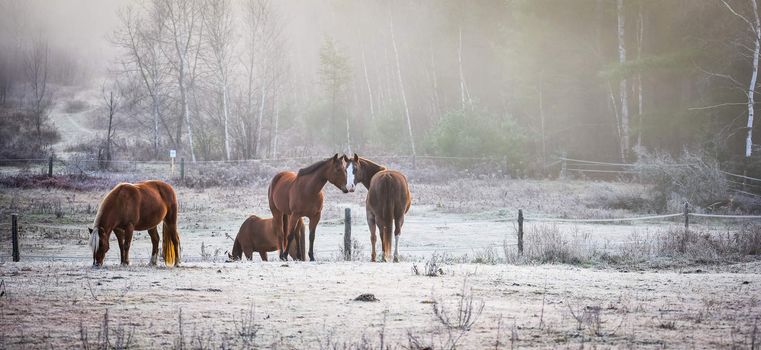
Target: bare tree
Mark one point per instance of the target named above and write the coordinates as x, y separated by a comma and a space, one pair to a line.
754, 26
142, 40
183, 26
401, 89
218, 22
263, 30
111, 105
622, 87
36, 68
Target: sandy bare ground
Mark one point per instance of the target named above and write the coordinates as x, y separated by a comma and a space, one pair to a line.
301, 304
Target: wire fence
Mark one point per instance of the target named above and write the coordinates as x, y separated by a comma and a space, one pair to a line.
580, 165
430, 249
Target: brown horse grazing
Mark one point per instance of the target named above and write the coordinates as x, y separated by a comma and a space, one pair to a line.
293, 196
388, 199
257, 235
140, 206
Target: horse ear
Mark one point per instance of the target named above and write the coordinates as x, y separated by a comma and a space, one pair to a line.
335, 156
90, 229
356, 158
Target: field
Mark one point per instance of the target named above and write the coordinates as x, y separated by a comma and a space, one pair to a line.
620, 290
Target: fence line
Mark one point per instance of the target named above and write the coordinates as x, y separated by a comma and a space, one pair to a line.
725, 216
617, 164
604, 171
638, 218
740, 176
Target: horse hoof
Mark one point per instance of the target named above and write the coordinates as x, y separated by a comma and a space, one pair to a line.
396, 259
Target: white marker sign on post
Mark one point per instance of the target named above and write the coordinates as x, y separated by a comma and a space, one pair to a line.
172, 155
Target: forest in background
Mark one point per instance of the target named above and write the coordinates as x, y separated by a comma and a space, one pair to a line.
526, 80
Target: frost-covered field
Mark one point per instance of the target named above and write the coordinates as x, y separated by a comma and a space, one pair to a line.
53, 297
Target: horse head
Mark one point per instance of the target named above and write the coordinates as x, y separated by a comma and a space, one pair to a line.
363, 169
98, 244
338, 174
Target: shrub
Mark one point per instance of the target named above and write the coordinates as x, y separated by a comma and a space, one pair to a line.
75, 106
475, 133
19, 138
693, 178
547, 244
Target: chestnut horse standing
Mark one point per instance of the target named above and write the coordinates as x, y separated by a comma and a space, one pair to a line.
140, 206
388, 199
293, 196
257, 235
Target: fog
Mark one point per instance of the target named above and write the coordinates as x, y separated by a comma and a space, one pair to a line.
524, 81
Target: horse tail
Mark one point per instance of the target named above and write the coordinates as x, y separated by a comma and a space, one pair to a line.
168, 246
387, 204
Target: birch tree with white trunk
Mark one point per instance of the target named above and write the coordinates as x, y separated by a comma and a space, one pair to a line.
401, 89
754, 26
623, 87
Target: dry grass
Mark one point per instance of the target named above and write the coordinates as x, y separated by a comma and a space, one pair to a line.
674, 246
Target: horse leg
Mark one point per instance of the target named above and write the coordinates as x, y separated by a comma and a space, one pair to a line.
313, 220
249, 254
127, 243
277, 225
119, 233
298, 237
292, 220
154, 233
263, 255
398, 222
371, 223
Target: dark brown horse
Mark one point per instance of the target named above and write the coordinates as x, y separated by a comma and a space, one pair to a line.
388, 199
140, 206
293, 196
257, 235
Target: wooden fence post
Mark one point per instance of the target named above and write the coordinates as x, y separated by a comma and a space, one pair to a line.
520, 231
14, 236
686, 216
347, 234
182, 169
50, 166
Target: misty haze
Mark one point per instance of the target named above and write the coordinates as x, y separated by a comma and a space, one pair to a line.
370, 174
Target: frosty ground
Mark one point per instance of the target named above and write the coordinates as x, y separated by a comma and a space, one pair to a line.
54, 298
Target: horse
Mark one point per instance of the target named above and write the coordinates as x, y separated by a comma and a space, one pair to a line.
257, 235
295, 195
388, 200
139, 206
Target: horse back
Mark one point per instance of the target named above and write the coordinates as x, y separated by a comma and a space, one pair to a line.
389, 195
277, 194
157, 202
257, 234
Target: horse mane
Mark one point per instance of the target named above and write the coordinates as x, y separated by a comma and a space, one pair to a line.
312, 168
365, 162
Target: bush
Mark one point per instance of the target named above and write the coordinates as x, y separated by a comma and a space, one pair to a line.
19, 138
476, 134
693, 178
547, 244
75, 106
